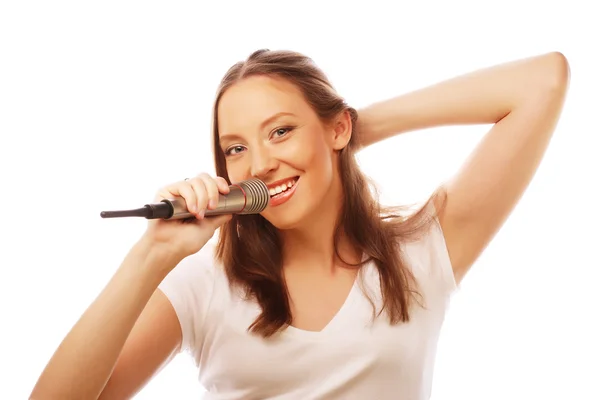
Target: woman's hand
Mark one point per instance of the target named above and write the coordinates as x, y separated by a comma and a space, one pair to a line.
185, 237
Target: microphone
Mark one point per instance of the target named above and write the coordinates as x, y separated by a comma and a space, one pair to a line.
245, 197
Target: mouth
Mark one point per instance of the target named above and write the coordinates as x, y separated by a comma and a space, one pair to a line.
281, 190
282, 186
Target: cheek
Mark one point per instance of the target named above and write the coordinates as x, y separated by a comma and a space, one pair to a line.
237, 171
312, 149
317, 159
321, 152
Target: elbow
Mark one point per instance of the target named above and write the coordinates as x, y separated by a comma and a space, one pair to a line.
557, 73
544, 78
548, 79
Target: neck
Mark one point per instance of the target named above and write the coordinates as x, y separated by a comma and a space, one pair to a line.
311, 245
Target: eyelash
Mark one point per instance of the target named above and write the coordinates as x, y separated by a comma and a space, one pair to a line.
287, 130
228, 151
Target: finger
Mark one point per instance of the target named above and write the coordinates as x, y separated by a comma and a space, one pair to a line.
201, 192
164, 193
167, 192
212, 190
222, 185
187, 192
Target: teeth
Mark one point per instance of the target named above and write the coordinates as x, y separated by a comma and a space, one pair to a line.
281, 188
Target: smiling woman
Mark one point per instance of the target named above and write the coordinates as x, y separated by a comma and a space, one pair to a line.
294, 128
325, 294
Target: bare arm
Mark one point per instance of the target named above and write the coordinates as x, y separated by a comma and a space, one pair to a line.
523, 99
83, 363
151, 345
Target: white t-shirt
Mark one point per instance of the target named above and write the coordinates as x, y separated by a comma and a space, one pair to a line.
354, 357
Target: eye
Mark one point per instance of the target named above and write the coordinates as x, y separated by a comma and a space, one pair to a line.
280, 132
233, 150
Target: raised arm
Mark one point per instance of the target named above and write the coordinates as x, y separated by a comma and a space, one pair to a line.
523, 99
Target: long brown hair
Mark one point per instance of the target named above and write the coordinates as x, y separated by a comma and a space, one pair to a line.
250, 247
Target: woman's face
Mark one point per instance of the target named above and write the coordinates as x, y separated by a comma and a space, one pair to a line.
267, 130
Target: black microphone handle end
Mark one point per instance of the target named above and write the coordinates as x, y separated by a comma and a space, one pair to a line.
138, 212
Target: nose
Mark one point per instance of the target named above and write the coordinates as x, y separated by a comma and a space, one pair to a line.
262, 162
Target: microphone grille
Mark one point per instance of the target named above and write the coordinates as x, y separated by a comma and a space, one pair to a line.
257, 196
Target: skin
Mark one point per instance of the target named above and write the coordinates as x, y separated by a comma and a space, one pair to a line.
131, 331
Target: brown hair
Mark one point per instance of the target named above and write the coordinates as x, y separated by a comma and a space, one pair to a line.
249, 246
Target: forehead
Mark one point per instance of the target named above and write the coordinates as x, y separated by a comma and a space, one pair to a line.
249, 102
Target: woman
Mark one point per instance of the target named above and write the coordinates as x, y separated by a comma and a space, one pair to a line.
324, 294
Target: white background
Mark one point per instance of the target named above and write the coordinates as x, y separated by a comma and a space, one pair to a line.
101, 103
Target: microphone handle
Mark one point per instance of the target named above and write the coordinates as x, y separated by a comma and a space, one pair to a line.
233, 203
246, 197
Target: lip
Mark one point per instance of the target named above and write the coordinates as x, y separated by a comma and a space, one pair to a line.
285, 196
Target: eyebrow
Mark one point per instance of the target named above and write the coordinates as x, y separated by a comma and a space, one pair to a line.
275, 117
234, 136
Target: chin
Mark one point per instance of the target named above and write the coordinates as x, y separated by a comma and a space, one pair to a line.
295, 212
283, 221
289, 216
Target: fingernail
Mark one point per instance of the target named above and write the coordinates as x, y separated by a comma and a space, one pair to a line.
213, 204
201, 214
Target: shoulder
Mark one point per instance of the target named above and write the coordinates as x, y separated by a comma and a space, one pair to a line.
197, 271
190, 288
427, 254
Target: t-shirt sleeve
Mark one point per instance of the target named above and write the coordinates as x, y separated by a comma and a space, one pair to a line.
441, 266
189, 288
431, 261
